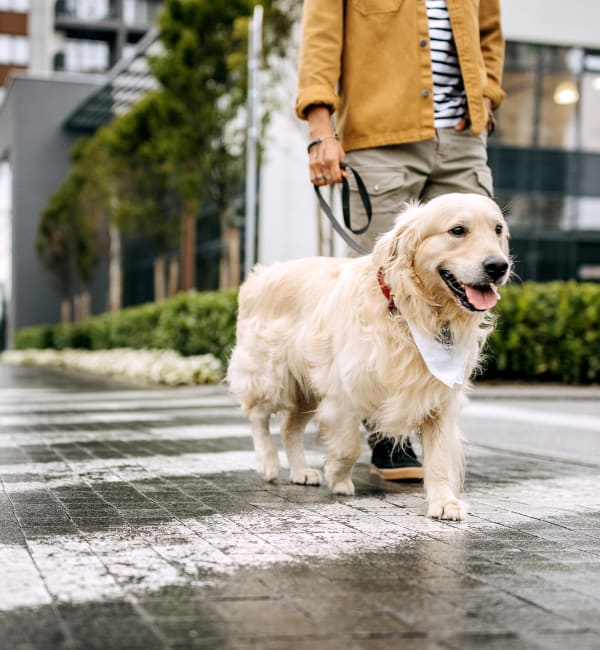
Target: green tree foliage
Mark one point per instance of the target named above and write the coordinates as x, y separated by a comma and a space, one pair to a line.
70, 237
176, 149
141, 172
203, 72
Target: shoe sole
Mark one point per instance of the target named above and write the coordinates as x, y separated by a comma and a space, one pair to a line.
398, 473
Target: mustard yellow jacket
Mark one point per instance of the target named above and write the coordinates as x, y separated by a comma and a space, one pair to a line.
369, 61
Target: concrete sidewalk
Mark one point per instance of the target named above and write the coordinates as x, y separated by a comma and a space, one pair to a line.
132, 518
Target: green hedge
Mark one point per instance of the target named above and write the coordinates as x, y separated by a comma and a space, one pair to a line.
190, 323
545, 332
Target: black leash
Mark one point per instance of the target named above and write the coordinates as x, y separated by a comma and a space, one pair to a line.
337, 226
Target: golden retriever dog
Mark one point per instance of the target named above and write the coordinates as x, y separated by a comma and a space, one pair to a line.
390, 338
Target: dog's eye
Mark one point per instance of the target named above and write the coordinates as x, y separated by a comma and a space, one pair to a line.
499, 229
458, 231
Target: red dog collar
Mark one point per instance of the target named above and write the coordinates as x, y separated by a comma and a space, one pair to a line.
385, 290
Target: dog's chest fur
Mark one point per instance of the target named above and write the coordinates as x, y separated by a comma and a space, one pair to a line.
378, 374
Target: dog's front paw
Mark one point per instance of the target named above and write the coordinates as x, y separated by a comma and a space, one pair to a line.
345, 487
453, 510
306, 476
268, 466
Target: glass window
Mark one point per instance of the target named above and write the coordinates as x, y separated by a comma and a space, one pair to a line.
538, 212
515, 116
85, 9
14, 49
590, 112
521, 56
20, 50
86, 56
139, 12
558, 111
19, 6
589, 213
5, 48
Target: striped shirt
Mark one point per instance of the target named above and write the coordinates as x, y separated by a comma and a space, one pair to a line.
449, 98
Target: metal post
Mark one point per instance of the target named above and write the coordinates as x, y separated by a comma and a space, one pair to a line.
253, 129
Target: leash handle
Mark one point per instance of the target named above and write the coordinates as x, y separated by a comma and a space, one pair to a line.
366, 201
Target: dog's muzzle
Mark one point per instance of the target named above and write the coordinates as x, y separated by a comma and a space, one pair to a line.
480, 296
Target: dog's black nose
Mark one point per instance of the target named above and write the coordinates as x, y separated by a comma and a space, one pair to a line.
495, 267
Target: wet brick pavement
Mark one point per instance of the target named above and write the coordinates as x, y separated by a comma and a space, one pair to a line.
131, 518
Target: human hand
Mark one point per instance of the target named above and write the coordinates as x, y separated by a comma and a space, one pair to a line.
325, 152
465, 121
491, 120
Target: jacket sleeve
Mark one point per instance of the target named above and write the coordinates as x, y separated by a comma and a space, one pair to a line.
320, 54
492, 49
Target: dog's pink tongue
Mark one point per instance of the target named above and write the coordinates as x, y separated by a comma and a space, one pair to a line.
482, 298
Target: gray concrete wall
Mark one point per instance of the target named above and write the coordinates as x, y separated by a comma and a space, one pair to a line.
32, 136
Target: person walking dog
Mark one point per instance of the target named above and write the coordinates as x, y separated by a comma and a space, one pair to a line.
404, 91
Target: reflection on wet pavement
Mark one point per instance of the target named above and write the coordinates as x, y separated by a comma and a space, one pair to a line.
131, 518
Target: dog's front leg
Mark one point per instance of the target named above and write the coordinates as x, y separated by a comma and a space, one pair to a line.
267, 458
341, 435
443, 466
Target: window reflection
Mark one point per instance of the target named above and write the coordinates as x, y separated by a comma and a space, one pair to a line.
590, 111
515, 126
558, 111
545, 154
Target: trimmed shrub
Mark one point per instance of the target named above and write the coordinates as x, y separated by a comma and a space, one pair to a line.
547, 332
38, 338
190, 323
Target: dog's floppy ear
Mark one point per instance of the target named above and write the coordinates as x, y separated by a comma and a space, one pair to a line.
400, 243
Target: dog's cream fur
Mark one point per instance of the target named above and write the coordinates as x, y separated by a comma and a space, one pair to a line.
315, 337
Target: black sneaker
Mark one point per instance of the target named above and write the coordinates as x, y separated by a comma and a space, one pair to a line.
395, 462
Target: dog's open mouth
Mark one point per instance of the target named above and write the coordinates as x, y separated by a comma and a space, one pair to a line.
471, 297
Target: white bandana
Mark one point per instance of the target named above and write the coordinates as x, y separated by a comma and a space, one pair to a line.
445, 361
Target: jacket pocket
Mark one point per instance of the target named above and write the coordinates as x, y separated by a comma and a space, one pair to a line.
367, 7
386, 190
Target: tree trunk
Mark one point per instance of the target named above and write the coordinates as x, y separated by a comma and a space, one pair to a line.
173, 276
160, 288
82, 305
115, 271
229, 267
188, 250
66, 313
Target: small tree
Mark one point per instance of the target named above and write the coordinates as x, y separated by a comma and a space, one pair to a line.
70, 235
146, 197
151, 169
203, 72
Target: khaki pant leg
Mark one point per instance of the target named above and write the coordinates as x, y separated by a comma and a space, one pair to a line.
460, 165
392, 175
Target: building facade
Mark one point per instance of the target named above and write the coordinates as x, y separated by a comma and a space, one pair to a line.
54, 55
14, 39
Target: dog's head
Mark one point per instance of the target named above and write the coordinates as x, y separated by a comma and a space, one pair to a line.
453, 251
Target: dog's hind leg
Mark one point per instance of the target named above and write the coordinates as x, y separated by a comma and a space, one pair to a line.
341, 435
267, 458
292, 434
443, 468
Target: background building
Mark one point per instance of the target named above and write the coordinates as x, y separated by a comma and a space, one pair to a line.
14, 39
546, 152
48, 54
